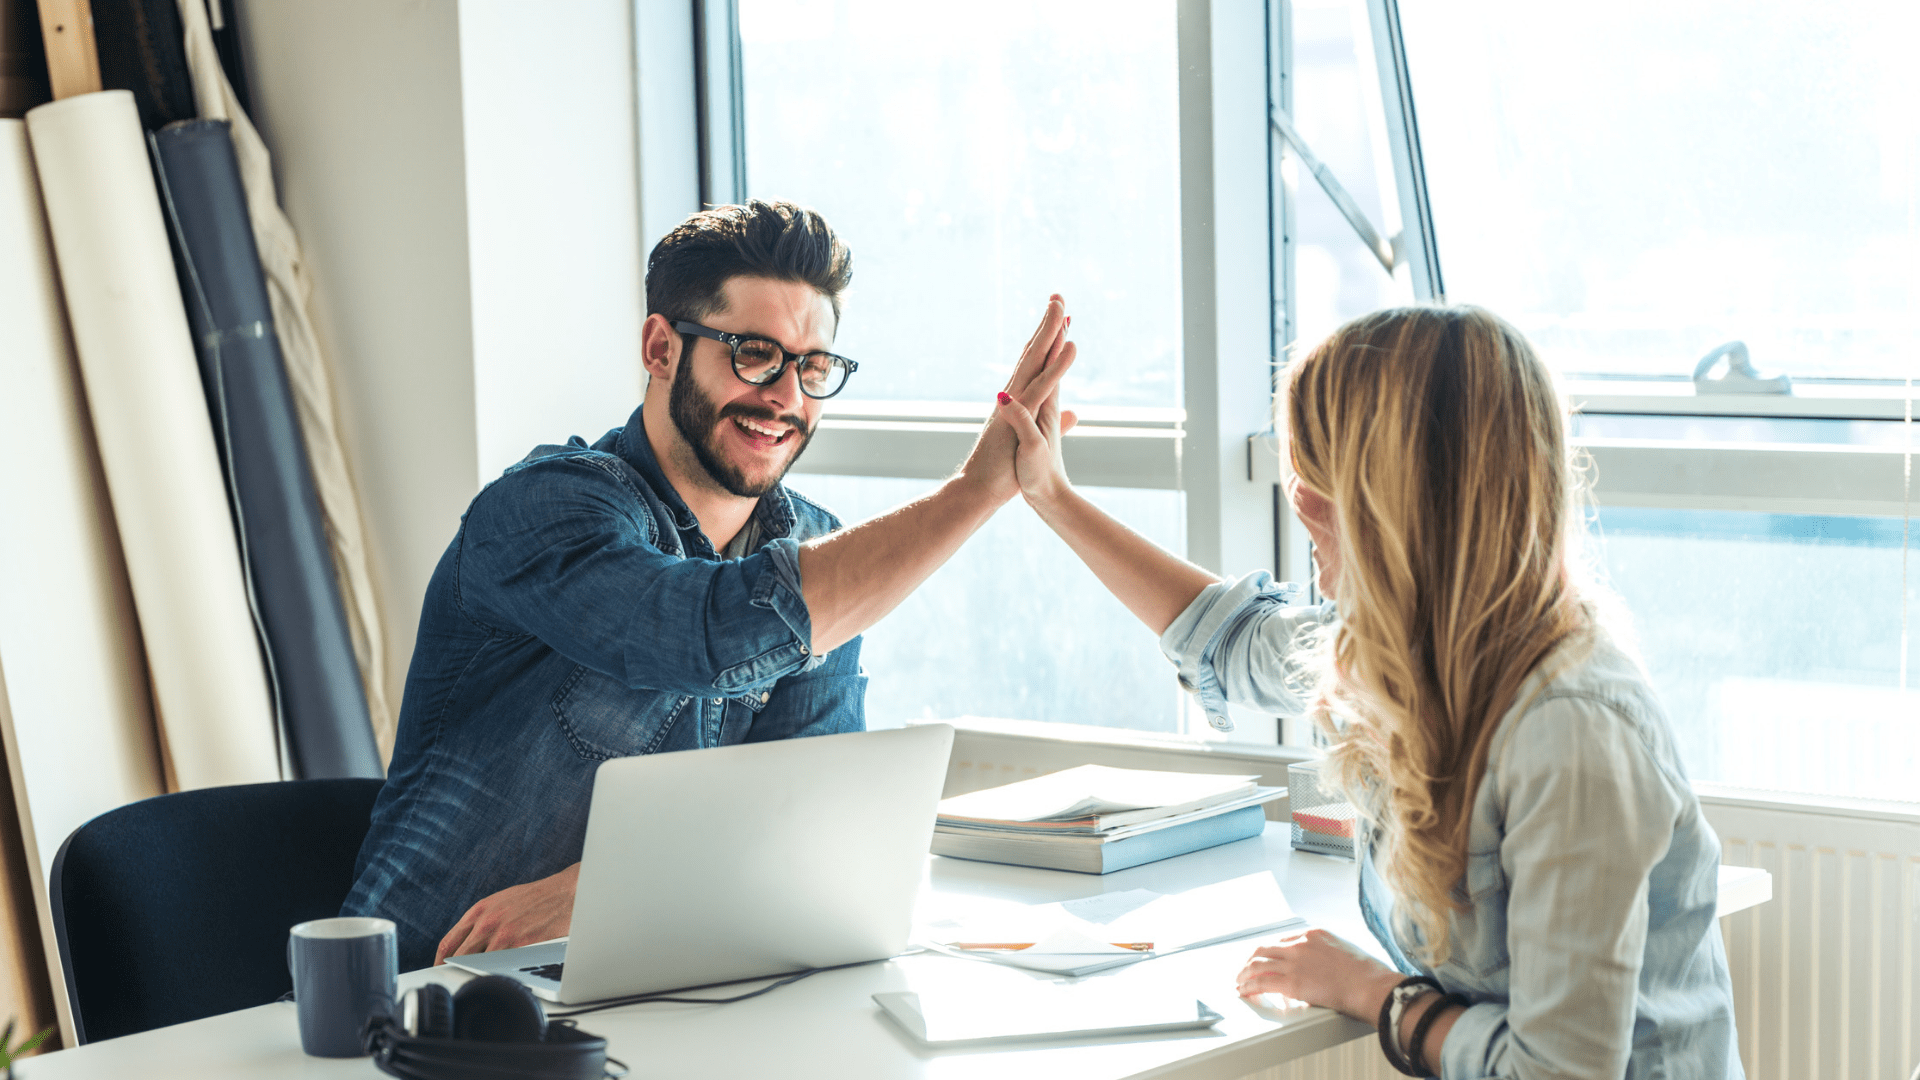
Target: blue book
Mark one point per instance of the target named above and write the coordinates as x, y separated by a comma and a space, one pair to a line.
1098, 854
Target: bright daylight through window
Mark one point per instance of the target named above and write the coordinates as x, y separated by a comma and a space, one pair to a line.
1637, 184
993, 169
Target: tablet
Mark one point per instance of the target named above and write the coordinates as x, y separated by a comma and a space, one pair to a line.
1043, 1011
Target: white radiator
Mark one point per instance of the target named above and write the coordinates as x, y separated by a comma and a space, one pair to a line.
1824, 974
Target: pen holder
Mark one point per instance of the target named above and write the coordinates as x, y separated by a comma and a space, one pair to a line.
1323, 821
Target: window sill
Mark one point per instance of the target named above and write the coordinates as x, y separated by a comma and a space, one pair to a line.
1092, 735
1054, 742
1713, 794
1839, 400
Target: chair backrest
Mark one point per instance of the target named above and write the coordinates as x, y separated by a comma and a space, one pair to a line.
178, 907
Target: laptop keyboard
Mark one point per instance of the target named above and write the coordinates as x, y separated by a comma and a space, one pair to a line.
546, 971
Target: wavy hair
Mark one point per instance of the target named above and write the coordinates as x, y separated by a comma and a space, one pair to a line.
1439, 436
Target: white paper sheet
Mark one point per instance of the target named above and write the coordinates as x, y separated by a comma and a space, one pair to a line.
1077, 937
155, 439
1089, 789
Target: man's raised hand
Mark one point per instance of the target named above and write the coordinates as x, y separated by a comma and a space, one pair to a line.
1043, 363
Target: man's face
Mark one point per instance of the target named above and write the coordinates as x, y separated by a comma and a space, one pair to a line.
746, 437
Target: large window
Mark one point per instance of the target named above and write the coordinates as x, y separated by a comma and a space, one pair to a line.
975, 168
1635, 186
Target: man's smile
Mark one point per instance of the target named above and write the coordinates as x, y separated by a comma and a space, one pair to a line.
765, 434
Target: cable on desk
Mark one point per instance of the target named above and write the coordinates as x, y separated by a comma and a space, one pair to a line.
666, 996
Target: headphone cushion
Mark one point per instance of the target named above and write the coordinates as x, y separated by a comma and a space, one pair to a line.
498, 1008
433, 1012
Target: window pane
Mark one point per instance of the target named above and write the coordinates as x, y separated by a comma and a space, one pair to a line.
1635, 183
1335, 276
977, 158
1014, 625
1774, 641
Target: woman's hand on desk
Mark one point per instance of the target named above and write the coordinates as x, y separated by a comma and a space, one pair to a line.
537, 911
1320, 969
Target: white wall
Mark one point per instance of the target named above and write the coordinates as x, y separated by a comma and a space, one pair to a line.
553, 229
462, 175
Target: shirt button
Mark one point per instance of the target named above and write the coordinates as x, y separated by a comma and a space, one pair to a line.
716, 701
765, 695
803, 650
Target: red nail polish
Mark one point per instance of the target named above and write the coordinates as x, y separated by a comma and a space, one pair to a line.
1005, 397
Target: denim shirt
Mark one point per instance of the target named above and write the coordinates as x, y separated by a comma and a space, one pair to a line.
1588, 943
580, 614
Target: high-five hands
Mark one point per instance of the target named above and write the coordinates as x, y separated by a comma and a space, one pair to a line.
1034, 385
1038, 463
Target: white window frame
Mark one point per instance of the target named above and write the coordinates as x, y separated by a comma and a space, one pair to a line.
1204, 448
1674, 474
1219, 448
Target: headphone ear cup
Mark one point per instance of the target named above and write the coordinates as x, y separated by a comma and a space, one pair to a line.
498, 1008
432, 1012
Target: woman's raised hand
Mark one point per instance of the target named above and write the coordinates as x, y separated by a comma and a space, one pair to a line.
1038, 462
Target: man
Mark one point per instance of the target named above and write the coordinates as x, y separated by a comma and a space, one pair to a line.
659, 590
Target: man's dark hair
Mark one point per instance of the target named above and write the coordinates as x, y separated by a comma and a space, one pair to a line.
777, 240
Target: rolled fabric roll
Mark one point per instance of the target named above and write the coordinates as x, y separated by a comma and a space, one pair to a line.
316, 681
156, 444
73, 692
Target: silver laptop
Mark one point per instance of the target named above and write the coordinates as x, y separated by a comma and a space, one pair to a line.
706, 866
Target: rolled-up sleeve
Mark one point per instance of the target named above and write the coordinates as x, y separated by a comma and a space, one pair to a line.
563, 552
1236, 642
1588, 813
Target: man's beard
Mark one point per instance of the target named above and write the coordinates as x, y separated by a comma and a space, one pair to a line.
699, 420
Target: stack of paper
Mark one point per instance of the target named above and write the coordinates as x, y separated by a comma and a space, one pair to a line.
1097, 819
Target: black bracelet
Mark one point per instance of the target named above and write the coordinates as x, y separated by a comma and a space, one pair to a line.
1389, 1038
1417, 1053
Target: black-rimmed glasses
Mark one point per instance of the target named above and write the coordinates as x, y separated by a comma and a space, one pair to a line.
758, 361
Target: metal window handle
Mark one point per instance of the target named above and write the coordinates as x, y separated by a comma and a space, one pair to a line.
1387, 251
1740, 377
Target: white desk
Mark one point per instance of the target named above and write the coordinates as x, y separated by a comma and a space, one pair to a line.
828, 1026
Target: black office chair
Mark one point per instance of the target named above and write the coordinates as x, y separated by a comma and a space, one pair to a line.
177, 907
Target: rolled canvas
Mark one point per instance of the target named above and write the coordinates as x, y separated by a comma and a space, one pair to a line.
310, 662
309, 372
74, 706
155, 440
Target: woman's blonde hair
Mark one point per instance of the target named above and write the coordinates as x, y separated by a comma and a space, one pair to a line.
1440, 439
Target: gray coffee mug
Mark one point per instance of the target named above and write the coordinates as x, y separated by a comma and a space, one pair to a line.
344, 973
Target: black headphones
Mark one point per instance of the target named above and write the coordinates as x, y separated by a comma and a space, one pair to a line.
492, 1027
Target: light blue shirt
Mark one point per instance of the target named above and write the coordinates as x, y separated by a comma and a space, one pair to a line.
1589, 945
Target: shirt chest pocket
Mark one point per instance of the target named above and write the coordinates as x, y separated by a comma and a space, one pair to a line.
1480, 932
603, 718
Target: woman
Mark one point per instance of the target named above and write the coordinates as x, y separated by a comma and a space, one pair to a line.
1530, 844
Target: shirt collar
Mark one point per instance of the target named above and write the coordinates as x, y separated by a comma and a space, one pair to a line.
774, 514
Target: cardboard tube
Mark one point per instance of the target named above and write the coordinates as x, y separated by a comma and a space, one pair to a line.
156, 443
74, 706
